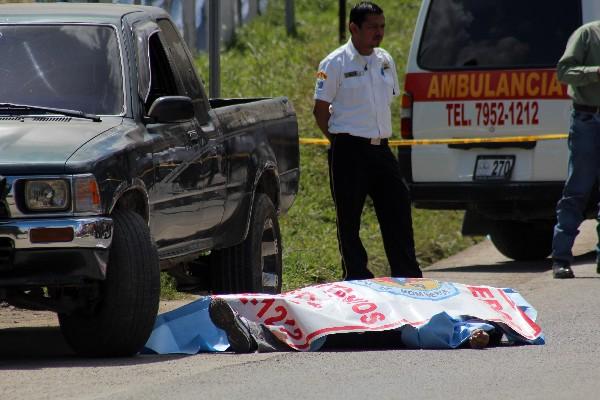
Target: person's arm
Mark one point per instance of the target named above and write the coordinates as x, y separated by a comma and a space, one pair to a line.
322, 115
325, 91
570, 68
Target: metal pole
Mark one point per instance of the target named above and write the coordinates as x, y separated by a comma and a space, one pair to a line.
239, 13
189, 23
342, 37
290, 17
214, 43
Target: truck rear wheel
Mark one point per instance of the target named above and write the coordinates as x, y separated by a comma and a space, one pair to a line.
523, 241
255, 265
122, 319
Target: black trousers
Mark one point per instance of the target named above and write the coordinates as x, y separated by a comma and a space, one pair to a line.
358, 169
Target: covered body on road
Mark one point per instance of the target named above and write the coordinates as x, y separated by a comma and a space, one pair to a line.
428, 313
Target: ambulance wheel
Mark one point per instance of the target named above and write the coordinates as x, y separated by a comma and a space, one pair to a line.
523, 241
255, 265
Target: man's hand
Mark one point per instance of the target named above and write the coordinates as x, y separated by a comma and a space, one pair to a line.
322, 115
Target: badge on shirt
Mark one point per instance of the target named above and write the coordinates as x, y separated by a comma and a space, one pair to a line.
322, 75
321, 78
353, 74
386, 65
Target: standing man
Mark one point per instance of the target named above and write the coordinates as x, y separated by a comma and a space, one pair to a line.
579, 68
355, 87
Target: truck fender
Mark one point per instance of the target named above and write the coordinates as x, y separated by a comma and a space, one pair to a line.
266, 181
132, 196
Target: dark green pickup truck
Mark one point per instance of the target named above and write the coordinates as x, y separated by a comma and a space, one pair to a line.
115, 165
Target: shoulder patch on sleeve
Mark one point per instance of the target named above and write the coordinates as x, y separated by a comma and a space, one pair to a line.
321, 75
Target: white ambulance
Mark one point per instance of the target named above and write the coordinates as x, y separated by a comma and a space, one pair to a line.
487, 69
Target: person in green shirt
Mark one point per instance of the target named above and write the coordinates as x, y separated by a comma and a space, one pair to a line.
579, 68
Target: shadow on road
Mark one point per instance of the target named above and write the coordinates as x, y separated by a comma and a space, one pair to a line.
44, 347
517, 266
33, 342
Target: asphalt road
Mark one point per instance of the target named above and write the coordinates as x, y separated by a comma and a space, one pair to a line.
36, 364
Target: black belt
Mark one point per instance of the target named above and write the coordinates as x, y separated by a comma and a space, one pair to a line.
373, 141
584, 108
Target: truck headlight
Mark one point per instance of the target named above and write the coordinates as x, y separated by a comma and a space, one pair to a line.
86, 194
47, 195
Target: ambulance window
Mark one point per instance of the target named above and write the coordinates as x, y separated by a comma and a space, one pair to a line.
484, 34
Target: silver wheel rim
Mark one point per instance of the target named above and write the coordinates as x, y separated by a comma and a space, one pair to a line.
269, 255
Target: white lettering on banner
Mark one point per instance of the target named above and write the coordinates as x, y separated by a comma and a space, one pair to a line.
303, 315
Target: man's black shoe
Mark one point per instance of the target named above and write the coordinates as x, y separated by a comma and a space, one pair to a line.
238, 334
562, 270
598, 263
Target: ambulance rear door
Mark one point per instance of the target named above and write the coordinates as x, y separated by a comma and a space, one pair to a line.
487, 69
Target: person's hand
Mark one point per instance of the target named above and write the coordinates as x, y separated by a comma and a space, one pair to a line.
479, 339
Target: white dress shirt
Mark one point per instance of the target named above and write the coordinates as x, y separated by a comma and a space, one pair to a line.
360, 92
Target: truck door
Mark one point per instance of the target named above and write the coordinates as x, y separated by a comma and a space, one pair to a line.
178, 195
208, 171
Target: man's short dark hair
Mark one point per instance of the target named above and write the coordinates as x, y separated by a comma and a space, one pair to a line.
362, 10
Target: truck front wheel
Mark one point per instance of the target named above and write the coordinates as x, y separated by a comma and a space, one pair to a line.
121, 318
255, 265
523, 241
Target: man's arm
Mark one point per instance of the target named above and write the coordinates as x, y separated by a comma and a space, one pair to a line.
322, 115
570, 69
325, 91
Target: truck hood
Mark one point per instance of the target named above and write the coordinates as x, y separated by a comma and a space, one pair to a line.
48, 142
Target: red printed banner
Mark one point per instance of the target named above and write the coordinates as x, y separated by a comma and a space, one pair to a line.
484, 85
301, 316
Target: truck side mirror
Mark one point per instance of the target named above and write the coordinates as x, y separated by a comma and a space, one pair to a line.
169, 109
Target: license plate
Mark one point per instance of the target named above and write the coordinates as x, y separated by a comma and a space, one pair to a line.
493, 168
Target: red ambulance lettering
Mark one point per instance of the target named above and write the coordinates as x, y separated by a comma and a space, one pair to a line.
456, 115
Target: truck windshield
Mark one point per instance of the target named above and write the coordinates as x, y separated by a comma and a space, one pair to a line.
485, 34
74, 67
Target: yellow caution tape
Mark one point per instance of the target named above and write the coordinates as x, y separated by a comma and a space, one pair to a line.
426, 142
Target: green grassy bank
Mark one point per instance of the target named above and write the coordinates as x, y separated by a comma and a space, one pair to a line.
264, 61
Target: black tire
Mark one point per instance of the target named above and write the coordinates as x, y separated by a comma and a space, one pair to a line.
523, 241
255, 265
122, 320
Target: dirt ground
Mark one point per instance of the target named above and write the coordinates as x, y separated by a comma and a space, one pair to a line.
13, 317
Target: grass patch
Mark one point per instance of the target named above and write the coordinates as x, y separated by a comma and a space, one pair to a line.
263, 61
168, 288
